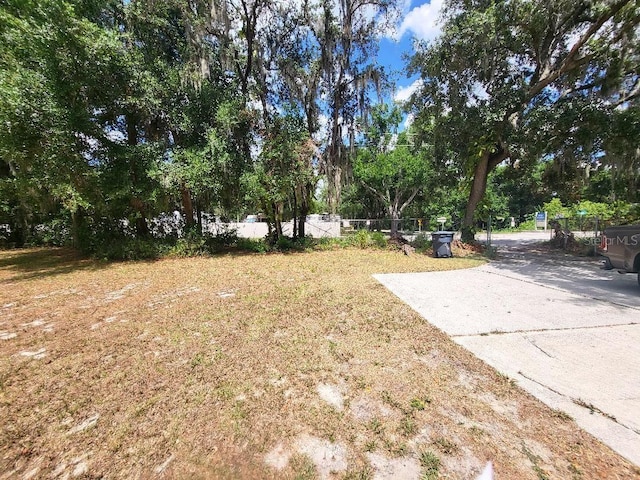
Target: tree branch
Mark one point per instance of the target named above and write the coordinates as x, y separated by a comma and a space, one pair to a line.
410, 199
633, 93
570, 62
374, 191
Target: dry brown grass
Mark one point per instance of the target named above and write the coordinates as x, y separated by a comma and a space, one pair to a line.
217, 368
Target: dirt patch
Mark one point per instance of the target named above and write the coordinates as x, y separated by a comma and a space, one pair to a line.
329, 458
393, 468
332, 395
255, 366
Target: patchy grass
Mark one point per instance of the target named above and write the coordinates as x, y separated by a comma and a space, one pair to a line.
431, 465
255, 366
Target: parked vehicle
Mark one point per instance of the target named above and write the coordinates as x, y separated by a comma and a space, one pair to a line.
620, 246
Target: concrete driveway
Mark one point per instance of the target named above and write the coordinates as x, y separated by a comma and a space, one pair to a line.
566, 331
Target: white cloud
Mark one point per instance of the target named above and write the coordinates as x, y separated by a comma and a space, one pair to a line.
422, 21
403, 93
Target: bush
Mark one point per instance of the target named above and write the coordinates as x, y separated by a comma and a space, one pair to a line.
360, 239
604, 211
192, 245
284, 243
225, 237
305, 243
195, 244
131, 249
252, 245
422, 242
54, 233
555, 209
625, 213
331, 243
367, 239
527, 225
379, 240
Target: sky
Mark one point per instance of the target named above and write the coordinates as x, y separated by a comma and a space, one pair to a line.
420, 21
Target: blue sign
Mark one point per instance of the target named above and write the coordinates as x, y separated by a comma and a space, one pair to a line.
540, 216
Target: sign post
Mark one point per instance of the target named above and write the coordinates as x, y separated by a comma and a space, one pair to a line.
442, 221
582, 213
541, 220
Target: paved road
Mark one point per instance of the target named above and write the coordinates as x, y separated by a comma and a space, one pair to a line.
566, 331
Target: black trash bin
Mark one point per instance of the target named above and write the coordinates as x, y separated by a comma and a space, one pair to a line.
442, 244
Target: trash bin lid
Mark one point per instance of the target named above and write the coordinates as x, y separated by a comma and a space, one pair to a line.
442, 232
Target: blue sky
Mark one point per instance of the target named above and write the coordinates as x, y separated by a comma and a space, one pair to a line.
420, 21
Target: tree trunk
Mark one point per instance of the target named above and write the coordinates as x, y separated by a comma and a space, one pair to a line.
484, 167
199, 217
395, 220
277, 214
142, 229
301, 224
19, 226
76, 222
304, 206
187, 206
295, 214
334, 187
304, 211
305, 202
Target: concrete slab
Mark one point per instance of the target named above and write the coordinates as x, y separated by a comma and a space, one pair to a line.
549, 328
475, 301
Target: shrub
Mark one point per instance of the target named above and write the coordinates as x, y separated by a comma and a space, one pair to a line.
367, 239
225, 237
331, 243
253, 245
306, 243
131, 249
191, 245
54, 233
554, 209
284, 243
603, 211
361, 239
379, 240
527, 225
421, 242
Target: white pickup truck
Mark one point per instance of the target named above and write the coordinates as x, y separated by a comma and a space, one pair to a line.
620, 246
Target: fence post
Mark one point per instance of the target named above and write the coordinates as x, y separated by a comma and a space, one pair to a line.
595, 243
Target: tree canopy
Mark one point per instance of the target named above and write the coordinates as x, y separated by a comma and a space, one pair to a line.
389, 166
522, 80
116, 111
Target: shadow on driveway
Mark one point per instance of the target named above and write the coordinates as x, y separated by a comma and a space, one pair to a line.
578, 275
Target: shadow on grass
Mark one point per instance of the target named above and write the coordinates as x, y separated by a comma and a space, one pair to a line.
32, 263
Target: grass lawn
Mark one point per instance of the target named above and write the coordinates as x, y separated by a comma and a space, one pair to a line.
256, 366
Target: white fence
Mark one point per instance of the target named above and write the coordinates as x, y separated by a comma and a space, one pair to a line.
318, 229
